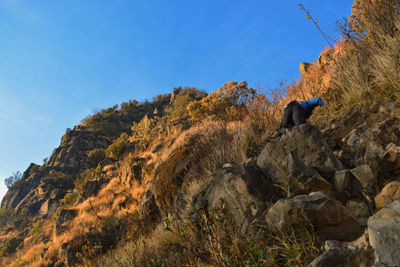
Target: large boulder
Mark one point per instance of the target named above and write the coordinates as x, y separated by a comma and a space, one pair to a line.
359, 210
304, 180
366, 176
344, 257
390, 193
329, 218
346, 184
384, 235
244, 190
305, 143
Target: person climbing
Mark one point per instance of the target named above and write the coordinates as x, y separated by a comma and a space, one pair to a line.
297, 113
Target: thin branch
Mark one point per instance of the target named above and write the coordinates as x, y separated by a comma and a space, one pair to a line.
308, 16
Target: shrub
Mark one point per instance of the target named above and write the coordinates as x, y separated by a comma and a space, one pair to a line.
116, 149
69, 200
96, 156
12, 179
373, 17
10, 246
144, 132
36, 231
182, 98
228, 103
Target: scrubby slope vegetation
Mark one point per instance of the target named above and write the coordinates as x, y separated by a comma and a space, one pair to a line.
192, 179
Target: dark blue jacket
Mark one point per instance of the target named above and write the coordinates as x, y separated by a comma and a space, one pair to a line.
316, 101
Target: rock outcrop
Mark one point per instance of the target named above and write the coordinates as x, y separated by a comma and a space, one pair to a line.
245, 190
329, 218
304, 143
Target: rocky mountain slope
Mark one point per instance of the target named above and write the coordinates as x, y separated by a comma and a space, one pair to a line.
192, 179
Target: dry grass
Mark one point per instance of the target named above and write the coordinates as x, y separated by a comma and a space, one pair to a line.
31, 256
211, 241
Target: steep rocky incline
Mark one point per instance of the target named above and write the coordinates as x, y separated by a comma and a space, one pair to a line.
341, 182
41, 187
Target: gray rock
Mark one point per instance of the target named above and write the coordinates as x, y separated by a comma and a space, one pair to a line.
384, 234
359, 210
244, 190
29, 180
307, 144
353, 140
304, 180
346, 182
329, 218
49, 208
366, 176
343, 257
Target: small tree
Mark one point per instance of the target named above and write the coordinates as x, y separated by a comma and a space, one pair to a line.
228, 103
373, 16
12, 179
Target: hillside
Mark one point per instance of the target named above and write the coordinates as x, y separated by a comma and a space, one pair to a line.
196, 179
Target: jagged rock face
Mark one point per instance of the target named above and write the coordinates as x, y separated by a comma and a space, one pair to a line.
243, 189
38, 191
304, 143
29, 180
384, 234
40, 195
44, 199
329, 218
75, 144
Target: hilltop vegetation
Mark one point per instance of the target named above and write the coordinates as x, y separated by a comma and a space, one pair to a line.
196, 179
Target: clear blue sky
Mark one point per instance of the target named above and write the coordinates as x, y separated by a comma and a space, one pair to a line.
60, 60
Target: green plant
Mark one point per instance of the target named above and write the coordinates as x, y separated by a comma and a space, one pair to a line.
89, 251
228, 103
116, 149
96, 156
36, 231
371, 17
69, 199
293, 249
10, 246
144, 132
12, 179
